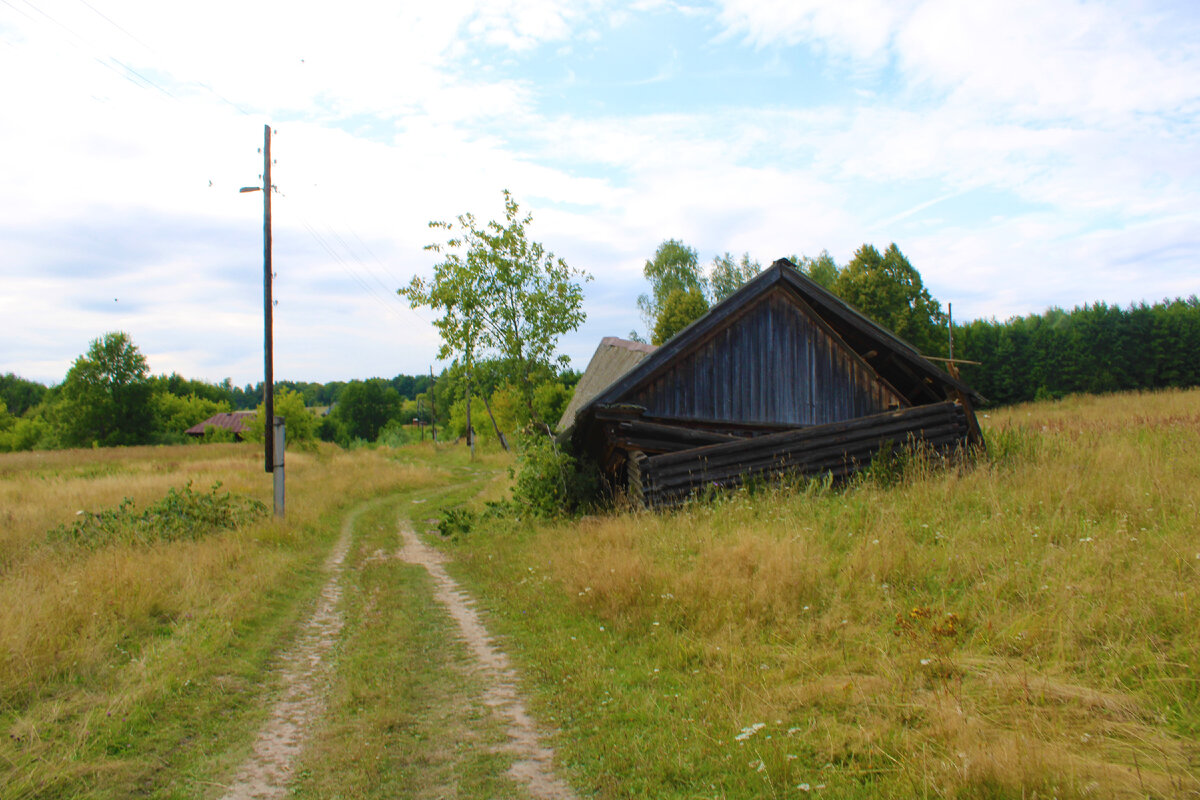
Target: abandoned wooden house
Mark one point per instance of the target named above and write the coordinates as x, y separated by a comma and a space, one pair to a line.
780, 378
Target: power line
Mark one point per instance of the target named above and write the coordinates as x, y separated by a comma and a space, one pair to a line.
341, 262
84, 45
142, 81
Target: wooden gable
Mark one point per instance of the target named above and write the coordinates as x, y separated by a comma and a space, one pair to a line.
775, 363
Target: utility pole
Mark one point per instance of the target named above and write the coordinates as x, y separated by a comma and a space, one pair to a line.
273, 462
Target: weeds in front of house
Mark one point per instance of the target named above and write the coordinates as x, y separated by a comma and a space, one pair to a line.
1020, 627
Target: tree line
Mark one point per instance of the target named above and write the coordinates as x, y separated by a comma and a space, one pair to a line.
1091, 349
884, 286
504, 301
109, 397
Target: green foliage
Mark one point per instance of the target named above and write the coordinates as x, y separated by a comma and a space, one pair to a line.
301, 424
180, 515
364, 407
1090, 349
512, 415
499, 290
456, 522
19, 395
675, 267
105, 398
180, 386
215, 434
726, 276
823, 269
175, 414
398, 433
888, 289
550, 400
22, 433
331, 429
549, 482
680, 309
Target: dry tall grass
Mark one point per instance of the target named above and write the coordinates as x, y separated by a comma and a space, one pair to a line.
1024, 627
92, 642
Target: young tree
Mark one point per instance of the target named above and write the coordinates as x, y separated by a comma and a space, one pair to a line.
174, 414
675, 267
822, 269
726, 276
105, 398
498, 289
680, 309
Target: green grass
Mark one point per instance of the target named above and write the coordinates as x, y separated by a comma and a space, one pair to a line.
1069, 562
142, 667
405, 717
780, 644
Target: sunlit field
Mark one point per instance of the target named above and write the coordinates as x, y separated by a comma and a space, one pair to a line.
1022, 627
127, 669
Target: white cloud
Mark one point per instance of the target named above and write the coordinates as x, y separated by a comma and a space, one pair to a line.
861, 29
1076, 120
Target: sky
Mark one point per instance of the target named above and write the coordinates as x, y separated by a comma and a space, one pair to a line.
1022, 154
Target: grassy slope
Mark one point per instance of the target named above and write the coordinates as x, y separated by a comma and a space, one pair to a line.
1026, 627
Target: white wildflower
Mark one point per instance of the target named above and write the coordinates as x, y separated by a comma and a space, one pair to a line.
749, 731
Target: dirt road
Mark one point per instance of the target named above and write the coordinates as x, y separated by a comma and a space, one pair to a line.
307, 668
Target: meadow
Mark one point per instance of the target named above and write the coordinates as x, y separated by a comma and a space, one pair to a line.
136, 669
1023, 626
1020, 625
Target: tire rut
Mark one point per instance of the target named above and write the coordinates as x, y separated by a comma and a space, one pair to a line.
266, 774
534, 764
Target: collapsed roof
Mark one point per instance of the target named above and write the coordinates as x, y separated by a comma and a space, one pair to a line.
782, 353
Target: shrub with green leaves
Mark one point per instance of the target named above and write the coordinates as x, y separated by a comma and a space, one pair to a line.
549, 481
456, 522
180, 515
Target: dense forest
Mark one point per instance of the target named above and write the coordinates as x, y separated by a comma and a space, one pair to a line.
1092, 348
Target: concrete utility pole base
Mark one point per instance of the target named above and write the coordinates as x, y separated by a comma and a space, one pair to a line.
278, 463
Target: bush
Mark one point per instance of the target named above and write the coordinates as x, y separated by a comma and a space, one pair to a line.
399, 434
300, 423
215, 434
549, 481
456, 522
180, 515
331, 429
25, 433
